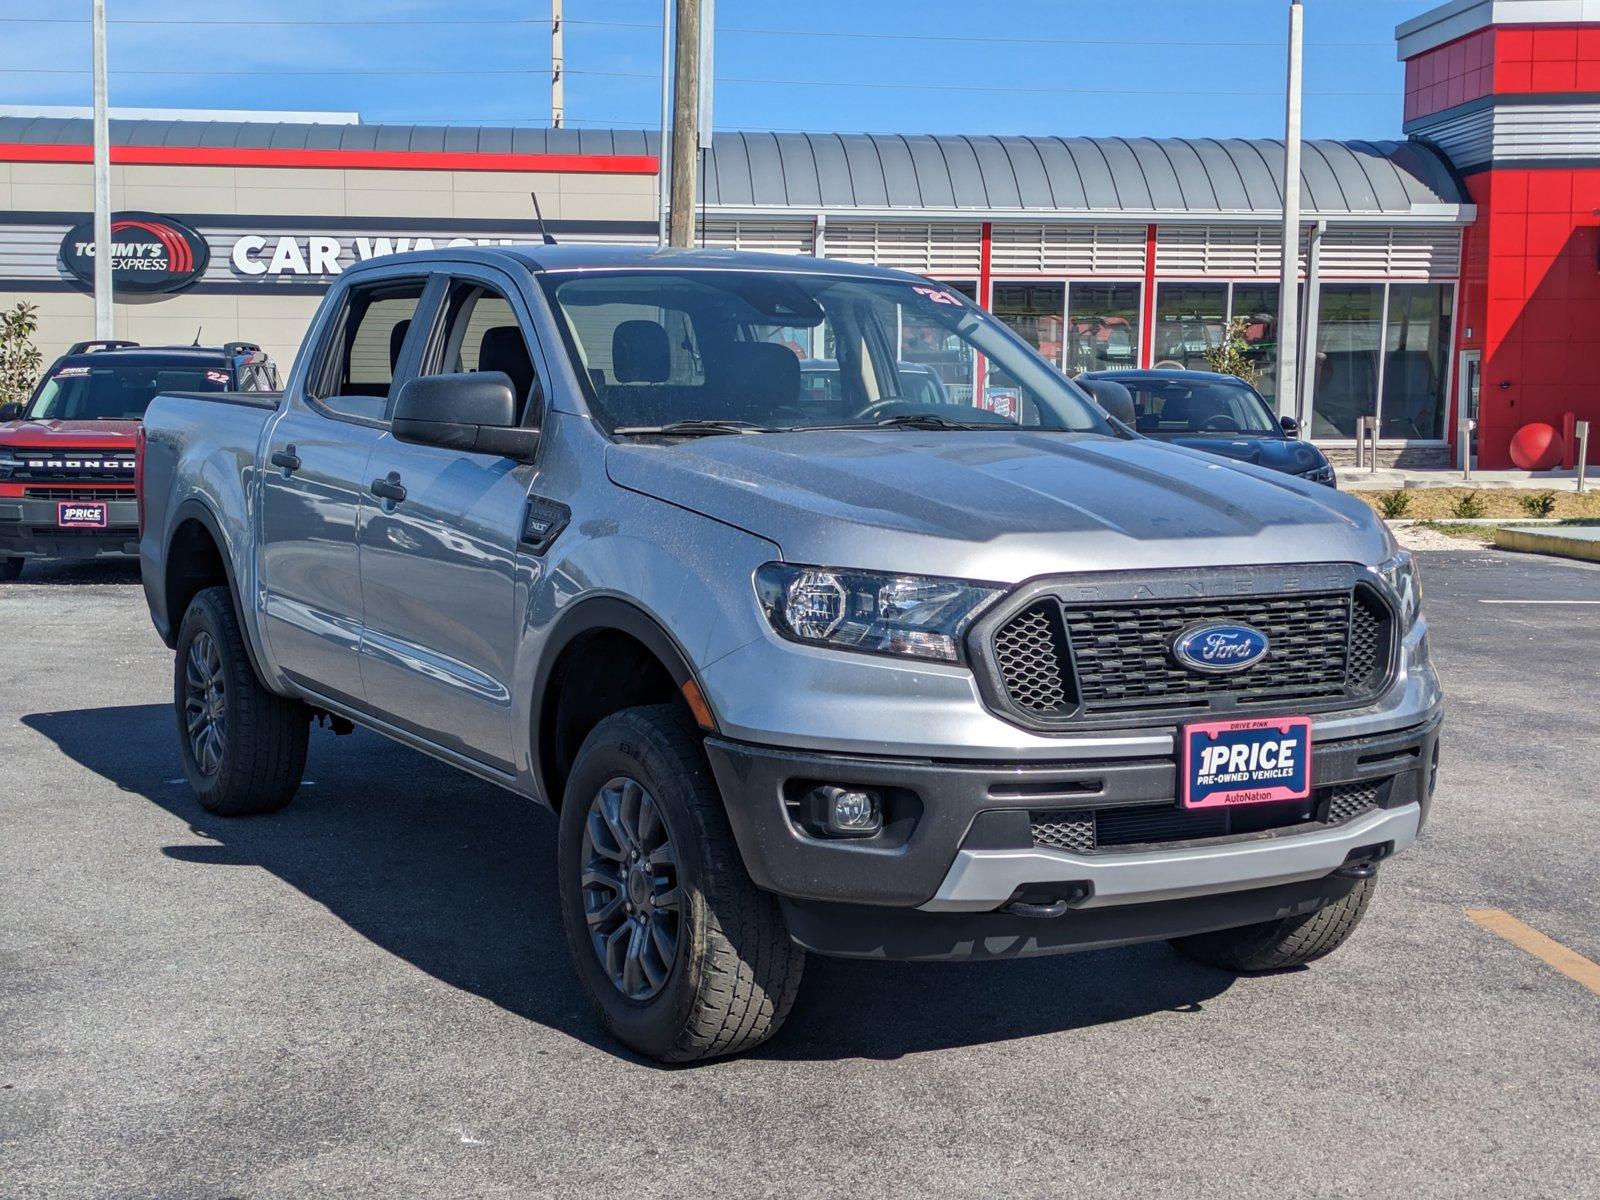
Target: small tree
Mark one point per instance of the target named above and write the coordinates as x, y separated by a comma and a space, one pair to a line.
1231, 357
20, 360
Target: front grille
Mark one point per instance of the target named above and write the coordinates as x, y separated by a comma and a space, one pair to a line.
77, 493
1086, 831
1054, 662
62, 466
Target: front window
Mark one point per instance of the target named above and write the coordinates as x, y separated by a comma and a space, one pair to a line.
771, 351
1184, 407
111, 390
1102, 327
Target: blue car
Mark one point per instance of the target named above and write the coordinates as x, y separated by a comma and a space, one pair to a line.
1219, 414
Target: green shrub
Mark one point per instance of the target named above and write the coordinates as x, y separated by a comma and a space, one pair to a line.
1539, 504
1468, 506
1394, 504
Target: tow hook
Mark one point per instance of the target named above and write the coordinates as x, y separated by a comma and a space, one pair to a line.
1042, 902
1360, 870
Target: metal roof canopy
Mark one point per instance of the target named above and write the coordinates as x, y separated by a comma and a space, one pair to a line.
929, 177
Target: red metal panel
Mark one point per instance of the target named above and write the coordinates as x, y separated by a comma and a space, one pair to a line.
399, 160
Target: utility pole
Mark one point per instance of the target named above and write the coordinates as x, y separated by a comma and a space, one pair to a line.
558, 103
103, 324
685, 123
1289, 295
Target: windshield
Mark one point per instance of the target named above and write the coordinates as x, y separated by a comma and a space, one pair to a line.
769, 350
1198, 406
109, 390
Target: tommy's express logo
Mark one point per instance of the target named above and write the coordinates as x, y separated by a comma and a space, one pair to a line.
148, 253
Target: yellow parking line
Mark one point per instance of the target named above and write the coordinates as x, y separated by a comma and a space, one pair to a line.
1525, 937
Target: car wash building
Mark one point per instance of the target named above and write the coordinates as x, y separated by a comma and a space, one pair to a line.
1452, 273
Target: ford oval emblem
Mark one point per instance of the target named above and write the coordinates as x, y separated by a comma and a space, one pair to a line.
1220, 649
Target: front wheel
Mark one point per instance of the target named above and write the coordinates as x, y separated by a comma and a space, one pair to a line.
243, 747
684, 956
1291, 942
10, 568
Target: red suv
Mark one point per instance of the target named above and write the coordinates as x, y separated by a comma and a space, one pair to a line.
67, 454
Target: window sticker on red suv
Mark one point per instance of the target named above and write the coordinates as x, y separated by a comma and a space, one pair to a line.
71, 373
217, 377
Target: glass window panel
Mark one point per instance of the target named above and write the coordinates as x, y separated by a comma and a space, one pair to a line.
1256, 304
1033, 310
1191, 318
1103, 327
1416, 361
1348, 339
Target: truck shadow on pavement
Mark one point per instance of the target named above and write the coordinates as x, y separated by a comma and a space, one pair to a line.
455, 877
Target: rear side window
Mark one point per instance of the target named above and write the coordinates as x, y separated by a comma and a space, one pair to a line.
363, 349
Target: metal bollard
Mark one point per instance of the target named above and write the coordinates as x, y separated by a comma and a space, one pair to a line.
1464, 440
1582, 430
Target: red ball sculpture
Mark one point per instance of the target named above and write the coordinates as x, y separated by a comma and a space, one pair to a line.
1536, 447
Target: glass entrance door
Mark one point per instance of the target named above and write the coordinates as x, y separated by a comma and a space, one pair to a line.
1469, 379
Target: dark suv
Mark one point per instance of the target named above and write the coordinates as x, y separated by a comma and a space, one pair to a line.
67, 453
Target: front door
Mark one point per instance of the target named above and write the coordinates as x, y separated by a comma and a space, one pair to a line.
441, 574
1469, 380
314, 483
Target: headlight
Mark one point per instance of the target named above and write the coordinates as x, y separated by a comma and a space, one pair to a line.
1401, 574
8, 462
1322, 474
876, 614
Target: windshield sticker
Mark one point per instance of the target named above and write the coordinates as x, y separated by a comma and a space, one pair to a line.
71, 373
937, 295
217, 377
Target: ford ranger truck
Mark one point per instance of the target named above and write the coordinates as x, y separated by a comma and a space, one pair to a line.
850, 671
67, 452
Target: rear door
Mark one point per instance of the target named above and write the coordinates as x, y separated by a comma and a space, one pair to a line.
441, 570
314, 480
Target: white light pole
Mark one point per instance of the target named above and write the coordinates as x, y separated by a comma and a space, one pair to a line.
102, 181
558, 63
1289, 295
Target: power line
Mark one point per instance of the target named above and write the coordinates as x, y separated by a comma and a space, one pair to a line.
748, 30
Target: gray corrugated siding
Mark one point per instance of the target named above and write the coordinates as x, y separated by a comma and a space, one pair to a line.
890, 171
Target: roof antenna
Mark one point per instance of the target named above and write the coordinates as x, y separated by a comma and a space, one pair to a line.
539, 216
198, 330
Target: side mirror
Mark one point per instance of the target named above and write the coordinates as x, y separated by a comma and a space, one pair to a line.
11, 411
475, 412
1114, 399
1290, 425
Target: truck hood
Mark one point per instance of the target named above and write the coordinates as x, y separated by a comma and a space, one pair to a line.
69, 435
1005, 506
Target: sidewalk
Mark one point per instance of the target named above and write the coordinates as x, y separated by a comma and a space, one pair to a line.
1389, 479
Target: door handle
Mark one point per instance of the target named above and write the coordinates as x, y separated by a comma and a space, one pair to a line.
389, 489
286, 459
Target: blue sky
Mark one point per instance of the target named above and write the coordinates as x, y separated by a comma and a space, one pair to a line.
1107, 67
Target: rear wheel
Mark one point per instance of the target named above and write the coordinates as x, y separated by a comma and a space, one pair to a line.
1274, 945
684, 956
243, 747
10, 568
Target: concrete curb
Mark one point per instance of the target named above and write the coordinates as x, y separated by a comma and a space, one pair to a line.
1584, 546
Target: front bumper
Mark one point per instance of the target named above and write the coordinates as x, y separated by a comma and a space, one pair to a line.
960, 841
28, 529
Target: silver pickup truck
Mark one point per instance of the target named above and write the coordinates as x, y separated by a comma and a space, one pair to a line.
870, 670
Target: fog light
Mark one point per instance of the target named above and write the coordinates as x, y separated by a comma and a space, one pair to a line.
846, 812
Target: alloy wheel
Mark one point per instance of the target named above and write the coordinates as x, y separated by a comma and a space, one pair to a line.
632, 901
205, 703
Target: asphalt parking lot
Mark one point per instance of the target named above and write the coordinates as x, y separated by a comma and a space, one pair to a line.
368, 994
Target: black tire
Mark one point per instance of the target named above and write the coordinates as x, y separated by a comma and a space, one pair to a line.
1274, 945
10, 568
735, 971
254, 759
